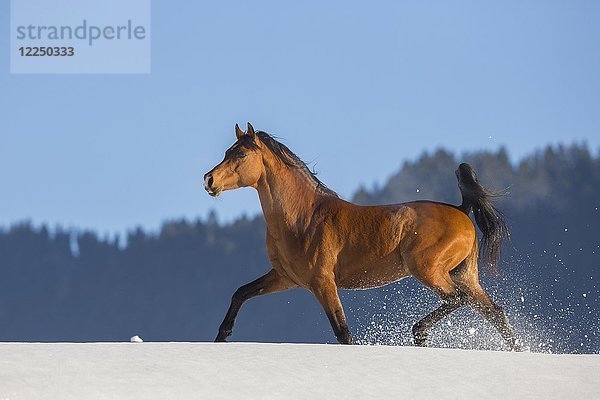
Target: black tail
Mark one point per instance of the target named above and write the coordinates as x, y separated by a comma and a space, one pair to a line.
489, 220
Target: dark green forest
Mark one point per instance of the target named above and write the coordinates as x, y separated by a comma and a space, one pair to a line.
175, 284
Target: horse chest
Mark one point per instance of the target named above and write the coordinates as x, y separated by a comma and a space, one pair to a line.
288, 257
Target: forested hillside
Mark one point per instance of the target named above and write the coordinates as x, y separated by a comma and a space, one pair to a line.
175, 284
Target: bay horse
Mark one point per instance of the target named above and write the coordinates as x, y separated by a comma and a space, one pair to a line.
321, 243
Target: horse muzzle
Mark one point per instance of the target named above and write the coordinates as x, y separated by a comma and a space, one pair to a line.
208, 185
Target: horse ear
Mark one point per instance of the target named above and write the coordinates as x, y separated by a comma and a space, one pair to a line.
250, 130
238, 132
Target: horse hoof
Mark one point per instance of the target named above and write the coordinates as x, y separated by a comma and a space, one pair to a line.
516, 345
221, 337
420, 340
419, 337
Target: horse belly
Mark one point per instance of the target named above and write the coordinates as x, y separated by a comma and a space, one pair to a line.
371, 274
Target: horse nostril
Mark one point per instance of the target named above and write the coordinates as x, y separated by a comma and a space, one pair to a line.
208, 180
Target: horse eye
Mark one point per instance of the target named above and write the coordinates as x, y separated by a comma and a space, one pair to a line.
241, 154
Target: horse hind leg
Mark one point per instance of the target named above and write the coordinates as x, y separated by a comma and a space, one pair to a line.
421, 329
480, 301
467, 280
452, 299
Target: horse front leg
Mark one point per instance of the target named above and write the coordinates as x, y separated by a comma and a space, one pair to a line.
325, 290
269, 283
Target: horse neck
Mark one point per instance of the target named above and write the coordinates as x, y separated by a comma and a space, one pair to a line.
287, 197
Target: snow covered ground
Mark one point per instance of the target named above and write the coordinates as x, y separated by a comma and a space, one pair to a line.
286, 371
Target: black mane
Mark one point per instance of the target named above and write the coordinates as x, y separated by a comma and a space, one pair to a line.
282, 152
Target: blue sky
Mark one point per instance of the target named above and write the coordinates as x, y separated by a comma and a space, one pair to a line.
355, 87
